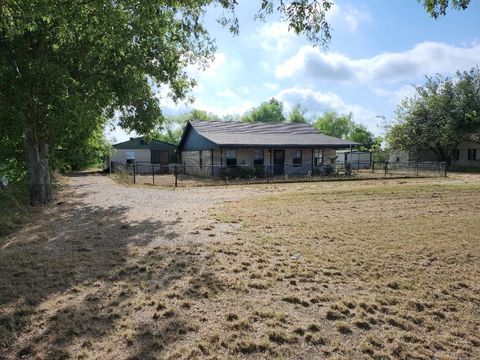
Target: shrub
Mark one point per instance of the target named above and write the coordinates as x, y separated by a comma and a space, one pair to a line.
237, 172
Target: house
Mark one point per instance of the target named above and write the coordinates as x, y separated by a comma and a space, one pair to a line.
207, 148
141, 151
356, 158
466, 156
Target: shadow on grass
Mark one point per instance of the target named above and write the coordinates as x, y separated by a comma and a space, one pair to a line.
74, 273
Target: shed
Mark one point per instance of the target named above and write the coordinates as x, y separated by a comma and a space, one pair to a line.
142, 151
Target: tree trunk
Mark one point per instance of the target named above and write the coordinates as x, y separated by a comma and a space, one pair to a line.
36, 153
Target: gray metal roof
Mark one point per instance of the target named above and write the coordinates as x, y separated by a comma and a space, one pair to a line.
232, 133
142, 143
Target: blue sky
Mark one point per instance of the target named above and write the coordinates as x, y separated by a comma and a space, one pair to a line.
378, 50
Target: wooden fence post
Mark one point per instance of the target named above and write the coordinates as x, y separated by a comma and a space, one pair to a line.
153, 175
386, 168
175, 173
134, 173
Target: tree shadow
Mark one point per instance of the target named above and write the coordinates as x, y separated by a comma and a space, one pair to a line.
70, 251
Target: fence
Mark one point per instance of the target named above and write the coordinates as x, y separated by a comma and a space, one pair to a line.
188, 175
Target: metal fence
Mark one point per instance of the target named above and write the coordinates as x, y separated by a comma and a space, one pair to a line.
196, 175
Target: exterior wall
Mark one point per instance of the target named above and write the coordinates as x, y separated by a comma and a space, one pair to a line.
245, 157
399, 156
357, 159
428, 155
120, 155
191, 162
195, 142
463, 155
329, 154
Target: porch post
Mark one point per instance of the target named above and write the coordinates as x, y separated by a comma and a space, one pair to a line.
312, 162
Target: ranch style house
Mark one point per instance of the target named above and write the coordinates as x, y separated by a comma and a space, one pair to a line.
207, 148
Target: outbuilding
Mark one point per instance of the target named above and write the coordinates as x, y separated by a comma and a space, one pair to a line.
145, 152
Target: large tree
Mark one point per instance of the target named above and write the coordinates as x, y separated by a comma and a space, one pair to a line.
443, 112
343, 126
333, 124
268, 111
69, 65
298, 115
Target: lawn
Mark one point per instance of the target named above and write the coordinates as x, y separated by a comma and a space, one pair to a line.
389, 271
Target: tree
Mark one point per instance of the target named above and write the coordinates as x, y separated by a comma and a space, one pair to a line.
268, 111
172, 127
443, 113
437, 8
297, 115
333, 124
80, 151
362, 136
70, 65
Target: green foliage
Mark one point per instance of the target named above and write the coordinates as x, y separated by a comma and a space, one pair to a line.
81, 152
362, 136
437, 8
343, 126
268, 111
202, 115
13, 205
237, 172
297, 115
172, 127
333, 124
443, 113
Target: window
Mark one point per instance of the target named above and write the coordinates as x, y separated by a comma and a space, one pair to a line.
130, 155
231, 157
201, 158
297, 157
318, 156
472, 154
456, 155
258, 158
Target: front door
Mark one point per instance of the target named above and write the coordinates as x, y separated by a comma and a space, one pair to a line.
278, 162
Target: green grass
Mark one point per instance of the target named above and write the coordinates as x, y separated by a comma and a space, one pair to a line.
13, 208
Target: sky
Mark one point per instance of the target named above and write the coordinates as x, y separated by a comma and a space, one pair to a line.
378, 50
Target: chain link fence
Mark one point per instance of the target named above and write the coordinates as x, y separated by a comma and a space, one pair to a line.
174, 175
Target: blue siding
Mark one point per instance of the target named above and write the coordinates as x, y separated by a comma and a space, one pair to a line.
194, 142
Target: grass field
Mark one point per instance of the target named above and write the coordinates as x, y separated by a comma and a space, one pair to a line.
389, 271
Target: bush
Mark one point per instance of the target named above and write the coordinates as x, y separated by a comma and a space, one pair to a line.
237, 172
13, 207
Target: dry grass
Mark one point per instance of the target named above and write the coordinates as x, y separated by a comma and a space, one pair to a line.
377, 270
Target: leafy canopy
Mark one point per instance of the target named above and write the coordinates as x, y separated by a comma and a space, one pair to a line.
343, 126
437, 8
268, 111
298, 115
444, 112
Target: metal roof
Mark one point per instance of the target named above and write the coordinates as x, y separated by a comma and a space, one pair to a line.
142, 143
241, 134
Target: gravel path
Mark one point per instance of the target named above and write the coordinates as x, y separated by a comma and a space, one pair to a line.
183, 214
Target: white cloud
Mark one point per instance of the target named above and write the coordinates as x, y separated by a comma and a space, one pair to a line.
396, 96
274, 37
220, 108
270, 86
319, 102
227, 93
340, 15
425, 58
